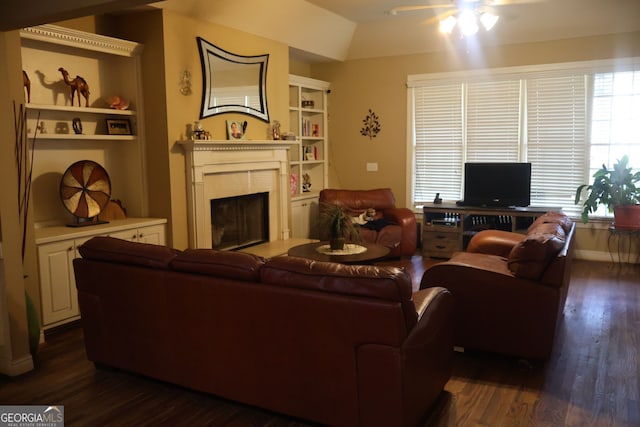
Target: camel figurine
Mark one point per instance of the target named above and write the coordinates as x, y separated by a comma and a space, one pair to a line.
78, 84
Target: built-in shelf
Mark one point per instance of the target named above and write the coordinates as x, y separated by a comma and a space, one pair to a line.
80, 110
82, 137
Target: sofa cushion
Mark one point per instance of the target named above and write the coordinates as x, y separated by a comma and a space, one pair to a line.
552, 218
390, 236
530, 258
388, 283
111, 249
230, 265
383, 283
357, 201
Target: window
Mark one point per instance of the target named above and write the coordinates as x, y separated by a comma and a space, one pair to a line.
566, 120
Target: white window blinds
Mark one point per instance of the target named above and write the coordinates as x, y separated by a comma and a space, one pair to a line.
556, 139
438, 153
493, 111
537, 117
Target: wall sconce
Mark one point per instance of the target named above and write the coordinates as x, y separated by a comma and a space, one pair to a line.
185, 82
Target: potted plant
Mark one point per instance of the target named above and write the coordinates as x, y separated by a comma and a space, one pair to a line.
616, 189
337, 225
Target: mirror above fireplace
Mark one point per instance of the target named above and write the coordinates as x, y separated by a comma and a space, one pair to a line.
233, 83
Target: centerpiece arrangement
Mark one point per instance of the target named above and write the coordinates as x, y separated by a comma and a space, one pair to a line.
616, 189
335, 223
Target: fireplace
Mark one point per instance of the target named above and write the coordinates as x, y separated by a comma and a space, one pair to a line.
239, 221
226, 169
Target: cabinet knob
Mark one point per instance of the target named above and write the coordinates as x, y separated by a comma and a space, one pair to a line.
70, 248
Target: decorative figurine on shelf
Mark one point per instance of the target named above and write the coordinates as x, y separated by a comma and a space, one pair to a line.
437, 200
27, 84
77, 85
276, 130
76, 123
293, 183
199, 132
306, 182
118, 102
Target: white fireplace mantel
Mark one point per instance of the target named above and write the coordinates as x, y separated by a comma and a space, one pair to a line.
218, 169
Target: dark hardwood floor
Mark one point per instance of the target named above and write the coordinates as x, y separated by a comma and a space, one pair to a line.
591, 380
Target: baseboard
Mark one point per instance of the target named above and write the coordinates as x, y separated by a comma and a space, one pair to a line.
588, 255
16, 367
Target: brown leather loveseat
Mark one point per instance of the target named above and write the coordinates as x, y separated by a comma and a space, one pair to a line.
340, 345
397, 230
509, 289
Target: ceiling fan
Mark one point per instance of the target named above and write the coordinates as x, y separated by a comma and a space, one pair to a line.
467, 14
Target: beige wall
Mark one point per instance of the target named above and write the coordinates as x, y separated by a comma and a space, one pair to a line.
170, 48
380, 84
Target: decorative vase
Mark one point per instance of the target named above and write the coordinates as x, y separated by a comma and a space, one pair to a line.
336, 243
627, 216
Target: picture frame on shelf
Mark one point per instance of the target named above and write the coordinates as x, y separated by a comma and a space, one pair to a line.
235, 130
118, 127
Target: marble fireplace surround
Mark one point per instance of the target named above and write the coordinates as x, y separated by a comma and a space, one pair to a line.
218, 169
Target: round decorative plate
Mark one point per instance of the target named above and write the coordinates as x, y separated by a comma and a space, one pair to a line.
85, 189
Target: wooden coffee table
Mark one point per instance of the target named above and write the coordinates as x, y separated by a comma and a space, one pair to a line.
367, 253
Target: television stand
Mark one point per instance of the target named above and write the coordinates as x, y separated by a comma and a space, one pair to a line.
448, 227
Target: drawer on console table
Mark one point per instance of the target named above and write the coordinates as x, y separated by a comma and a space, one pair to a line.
441, 243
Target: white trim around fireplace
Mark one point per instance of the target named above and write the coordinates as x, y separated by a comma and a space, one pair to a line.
224, 168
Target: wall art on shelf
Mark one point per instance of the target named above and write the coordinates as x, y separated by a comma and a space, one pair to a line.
236, 129
118, 127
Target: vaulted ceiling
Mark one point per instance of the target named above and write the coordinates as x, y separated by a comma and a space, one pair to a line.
353, 29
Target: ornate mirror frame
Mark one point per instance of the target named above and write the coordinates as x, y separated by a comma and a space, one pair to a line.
233, 83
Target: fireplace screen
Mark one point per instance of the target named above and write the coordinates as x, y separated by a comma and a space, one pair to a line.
239, 221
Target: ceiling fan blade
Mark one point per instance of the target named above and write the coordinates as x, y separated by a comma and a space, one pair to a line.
510, 2
404, 9
440, 17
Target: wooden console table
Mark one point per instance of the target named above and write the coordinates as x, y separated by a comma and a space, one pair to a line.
445, 225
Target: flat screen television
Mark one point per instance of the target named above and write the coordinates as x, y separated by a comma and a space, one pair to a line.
497, 184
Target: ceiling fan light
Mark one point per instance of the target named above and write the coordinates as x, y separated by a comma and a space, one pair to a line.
488, 20
468, 23
446, 25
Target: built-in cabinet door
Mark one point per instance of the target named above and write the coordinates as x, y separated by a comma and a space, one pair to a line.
152, 234
304, 218
57, 283
58, 292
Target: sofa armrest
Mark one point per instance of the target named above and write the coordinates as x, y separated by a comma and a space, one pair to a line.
406, 219
397, 387
495, 310
428, 350
494, 242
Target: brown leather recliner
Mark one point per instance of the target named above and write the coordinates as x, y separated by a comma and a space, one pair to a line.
509, 288
393, 227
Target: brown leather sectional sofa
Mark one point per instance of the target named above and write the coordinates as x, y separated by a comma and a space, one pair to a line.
398, 230
510, 289
336, 344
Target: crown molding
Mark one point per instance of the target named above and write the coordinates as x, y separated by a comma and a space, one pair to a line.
81, 40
